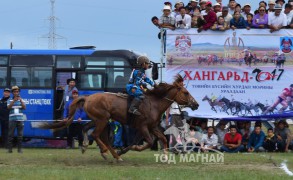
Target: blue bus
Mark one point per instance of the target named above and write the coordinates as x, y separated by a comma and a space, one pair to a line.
40, 73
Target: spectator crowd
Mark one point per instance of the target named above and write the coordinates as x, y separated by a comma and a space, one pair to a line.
203, 15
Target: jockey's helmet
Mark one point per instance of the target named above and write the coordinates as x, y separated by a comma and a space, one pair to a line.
142, 59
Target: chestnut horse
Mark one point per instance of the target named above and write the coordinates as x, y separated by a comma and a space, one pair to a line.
101, 107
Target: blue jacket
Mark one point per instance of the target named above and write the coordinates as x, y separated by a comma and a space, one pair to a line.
80, 113
256, 140
241, 24
137, 80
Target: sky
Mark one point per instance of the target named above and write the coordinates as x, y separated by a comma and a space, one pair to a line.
108, 25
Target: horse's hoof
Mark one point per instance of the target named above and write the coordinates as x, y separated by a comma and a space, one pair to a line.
119, 160
104, 156
83, 149
119, 152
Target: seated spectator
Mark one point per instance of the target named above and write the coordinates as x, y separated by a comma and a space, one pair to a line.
220, 25
260, 20
249, 18
277, 20
246, 11
232, 6
203, 127
197, 20
270, 141
225, 15
283, 136
271, 8
209, 16
232, 141
256, 140
221, 131
246, 131
167, 20
289, 13
209, 140
217, 8
237, 22
183, 20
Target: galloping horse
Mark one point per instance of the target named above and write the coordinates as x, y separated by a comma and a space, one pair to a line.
102, 107
231, 105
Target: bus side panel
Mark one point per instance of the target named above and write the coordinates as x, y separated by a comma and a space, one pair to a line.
39, 108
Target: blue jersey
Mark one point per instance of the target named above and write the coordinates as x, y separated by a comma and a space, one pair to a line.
139, 79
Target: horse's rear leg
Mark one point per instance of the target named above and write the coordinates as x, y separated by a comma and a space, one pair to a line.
85, 129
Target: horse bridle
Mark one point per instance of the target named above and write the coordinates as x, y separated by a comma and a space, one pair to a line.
175, 98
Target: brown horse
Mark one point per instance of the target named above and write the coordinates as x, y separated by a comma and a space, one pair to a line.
102, 107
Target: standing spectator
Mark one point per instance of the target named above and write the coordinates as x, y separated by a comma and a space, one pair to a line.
270, 141
249, 18
221, 131
75, 128
232, 6
283, 135
260, 20
246, 10
291, 3
225, 15
220, 25
210, 18
116, 127
197, 20
281, 2
193, 4
237, 22
167, 20
291, 24
271, 8
209, 140
16, 117
217, 8
232, 141
277, 20
202, 6
67, 95
289, 13
262, 4
183, 20
177, 5
4, 117
256, 140
238, 8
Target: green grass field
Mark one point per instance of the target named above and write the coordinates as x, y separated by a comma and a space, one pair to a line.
71, 164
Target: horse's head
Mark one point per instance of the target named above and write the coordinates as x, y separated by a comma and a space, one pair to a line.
183, 97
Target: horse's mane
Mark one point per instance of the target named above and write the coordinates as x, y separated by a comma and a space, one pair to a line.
159, 90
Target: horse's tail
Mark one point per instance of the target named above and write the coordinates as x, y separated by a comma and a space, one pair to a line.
77, 103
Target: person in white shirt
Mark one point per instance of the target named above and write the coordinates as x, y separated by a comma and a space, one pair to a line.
246, 10
289, 13
225, 14
277, 20
232, 6
183, 20
209, 140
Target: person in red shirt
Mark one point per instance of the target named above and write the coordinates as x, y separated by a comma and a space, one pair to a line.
209, 16
232, 141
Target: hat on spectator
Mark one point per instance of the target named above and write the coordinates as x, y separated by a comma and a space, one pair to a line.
271, 2
247, 5
231, 0
278, 6
194, 1
209, 3
280, 0
225, 8
7, 89
14, 88
217, 4
167, 7
74, 91
203, 1
168, 3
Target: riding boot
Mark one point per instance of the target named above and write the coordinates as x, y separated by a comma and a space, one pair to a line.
134, 106
19, 145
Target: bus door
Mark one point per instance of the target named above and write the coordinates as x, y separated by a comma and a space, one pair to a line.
62, 79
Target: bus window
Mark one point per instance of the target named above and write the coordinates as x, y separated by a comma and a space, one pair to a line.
31, 60
90, 81
68, 61
3, 75
3, 60
31, 76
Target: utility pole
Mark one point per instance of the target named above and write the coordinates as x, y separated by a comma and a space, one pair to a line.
52, 36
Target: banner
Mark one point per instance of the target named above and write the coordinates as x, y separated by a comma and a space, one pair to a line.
241, 74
